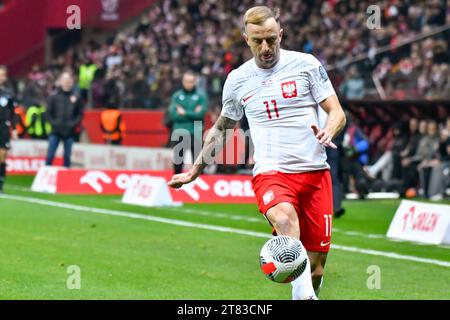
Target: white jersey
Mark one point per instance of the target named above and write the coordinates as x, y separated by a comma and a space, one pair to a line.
281, 104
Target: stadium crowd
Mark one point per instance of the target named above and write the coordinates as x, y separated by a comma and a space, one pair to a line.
142, 67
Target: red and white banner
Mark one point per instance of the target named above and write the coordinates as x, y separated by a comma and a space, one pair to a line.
421, 222
46, 178
95, 181
27, 165
206, 189
98, 156
149, 191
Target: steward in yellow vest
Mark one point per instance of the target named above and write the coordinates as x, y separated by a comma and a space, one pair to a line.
37, 126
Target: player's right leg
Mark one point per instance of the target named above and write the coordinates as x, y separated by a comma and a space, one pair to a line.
278, 203
284, 219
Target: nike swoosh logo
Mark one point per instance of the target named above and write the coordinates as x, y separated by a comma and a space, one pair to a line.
245, 99
324, 244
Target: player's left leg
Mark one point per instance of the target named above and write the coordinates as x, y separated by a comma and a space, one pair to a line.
317, 260
315, 218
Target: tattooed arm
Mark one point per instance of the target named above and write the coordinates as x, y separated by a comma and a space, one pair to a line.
214, 141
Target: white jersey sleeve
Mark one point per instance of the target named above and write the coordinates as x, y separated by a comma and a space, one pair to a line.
320, 84
231, 107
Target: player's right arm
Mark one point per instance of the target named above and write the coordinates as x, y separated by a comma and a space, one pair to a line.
214, 141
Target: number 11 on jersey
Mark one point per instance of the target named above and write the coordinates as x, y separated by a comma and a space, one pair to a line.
274, 104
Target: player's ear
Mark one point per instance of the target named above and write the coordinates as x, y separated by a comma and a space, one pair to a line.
245, 37
281, 34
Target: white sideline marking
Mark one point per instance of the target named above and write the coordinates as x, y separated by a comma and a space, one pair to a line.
222, 215
218, 215
230, 216
183, 223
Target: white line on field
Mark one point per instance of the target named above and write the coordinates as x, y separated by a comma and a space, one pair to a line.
183, 223
205, 213
230, 216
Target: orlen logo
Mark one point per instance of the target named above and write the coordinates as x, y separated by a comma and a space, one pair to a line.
24, 165
422, 221
96, 179
233, 188
191, 190
289, 89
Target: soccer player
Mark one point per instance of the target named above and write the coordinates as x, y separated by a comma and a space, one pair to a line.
281, 92
6, 122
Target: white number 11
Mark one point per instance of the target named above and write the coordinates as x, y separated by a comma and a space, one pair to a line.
328, 220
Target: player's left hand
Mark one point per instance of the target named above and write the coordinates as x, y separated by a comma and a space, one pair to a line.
324, 137
180, 179
15, 135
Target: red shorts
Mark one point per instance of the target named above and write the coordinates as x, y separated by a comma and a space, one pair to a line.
311, 195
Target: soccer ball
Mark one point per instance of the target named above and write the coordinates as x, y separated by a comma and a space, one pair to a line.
283, 259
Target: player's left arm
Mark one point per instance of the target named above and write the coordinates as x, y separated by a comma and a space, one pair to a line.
335, 121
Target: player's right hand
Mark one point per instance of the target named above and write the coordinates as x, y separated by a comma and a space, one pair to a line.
180, 179
324, 137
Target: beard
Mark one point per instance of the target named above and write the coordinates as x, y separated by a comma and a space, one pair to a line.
269, 58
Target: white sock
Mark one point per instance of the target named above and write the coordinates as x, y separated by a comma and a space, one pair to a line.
317, 291
302, 288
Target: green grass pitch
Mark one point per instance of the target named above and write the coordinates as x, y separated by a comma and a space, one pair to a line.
124, 258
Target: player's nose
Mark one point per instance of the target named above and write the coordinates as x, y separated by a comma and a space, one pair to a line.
264, 46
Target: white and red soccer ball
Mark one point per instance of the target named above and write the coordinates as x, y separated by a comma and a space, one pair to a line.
283, 259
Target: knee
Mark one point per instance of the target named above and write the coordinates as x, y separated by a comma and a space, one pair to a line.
284, 220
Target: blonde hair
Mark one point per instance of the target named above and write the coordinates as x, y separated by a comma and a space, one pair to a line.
258, 15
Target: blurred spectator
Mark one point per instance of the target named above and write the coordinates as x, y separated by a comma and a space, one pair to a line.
112, 126
65, 112
430, 163
140, 92
417, 129
20, 119
36, 122
334, 159
426, 150
7, 106
414, 136
353, 86
389, 164
187, 111
85, 77
112, 91
356, 146
439, 177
